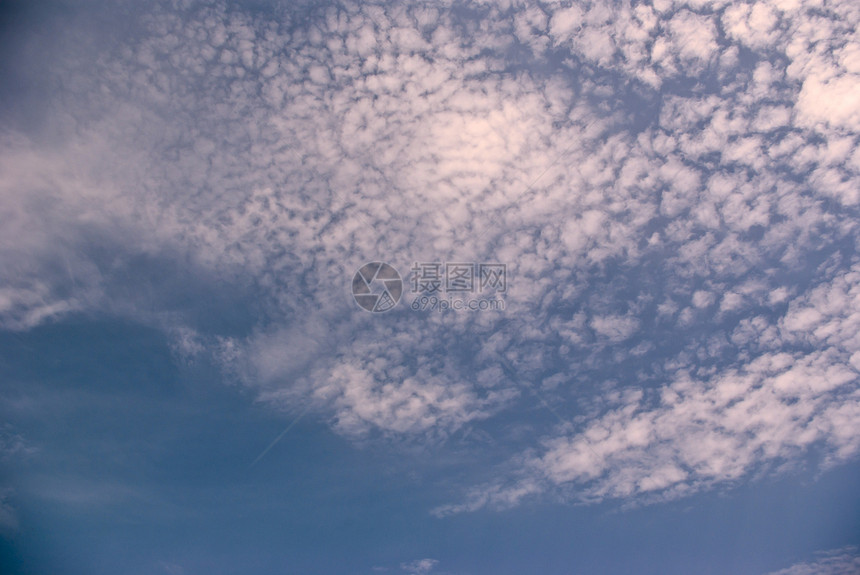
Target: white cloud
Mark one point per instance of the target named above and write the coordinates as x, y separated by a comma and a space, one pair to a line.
694, 35
419, 566
703, 298
844, 561
700, 430
834, 101
401, 404
626, 163
565, 23
753, 25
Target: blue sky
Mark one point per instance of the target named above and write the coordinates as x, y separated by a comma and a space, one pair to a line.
669, 381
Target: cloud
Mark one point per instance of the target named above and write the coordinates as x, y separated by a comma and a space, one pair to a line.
833, 101
705, 428
419, 566
837, 562
663, 206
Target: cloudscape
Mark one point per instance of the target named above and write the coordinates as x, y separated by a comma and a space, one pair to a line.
448, 288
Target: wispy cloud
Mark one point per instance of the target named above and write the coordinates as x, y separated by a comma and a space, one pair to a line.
837, 562
419, 566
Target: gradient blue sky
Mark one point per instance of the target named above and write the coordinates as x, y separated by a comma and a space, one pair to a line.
187, 385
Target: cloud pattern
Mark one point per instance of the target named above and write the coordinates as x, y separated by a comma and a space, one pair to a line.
674, 187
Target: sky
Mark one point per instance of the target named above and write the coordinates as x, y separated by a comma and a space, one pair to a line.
441, 288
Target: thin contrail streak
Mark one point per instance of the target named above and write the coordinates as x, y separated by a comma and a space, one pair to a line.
279, 437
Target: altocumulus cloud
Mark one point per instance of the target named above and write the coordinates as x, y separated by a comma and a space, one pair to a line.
674, 187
